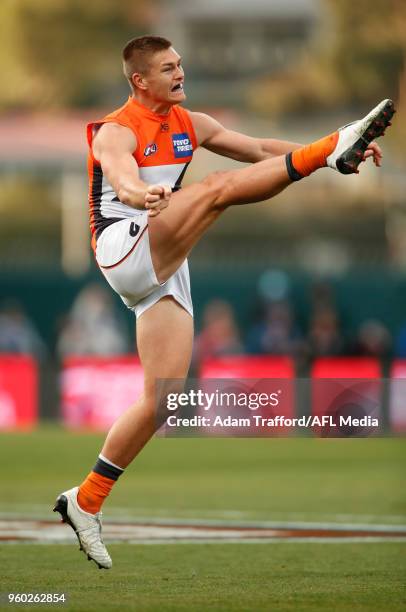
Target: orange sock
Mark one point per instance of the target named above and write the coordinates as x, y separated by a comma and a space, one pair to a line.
93, 491
309, 158
98, 484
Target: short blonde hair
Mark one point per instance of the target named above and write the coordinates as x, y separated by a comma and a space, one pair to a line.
138, 51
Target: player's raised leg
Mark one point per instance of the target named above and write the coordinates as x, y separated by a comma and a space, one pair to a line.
175, 232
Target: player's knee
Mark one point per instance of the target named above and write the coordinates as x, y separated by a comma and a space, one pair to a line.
161, 395
216, 183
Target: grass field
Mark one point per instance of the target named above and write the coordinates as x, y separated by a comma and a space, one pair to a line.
337, 481
201, 577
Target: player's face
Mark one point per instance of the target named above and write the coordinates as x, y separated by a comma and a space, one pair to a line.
165, 77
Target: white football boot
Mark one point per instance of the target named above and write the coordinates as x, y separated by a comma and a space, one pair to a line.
86, 526
354, 138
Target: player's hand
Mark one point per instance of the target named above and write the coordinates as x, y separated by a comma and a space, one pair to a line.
373, 150
157, 198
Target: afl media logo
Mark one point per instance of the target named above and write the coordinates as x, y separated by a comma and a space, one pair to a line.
150, 149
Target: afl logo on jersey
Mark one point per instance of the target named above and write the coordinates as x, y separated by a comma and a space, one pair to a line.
150, 149
182, 147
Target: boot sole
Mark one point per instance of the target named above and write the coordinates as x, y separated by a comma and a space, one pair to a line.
349, 161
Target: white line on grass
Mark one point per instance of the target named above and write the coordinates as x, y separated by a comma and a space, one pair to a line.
310, 540
43, 511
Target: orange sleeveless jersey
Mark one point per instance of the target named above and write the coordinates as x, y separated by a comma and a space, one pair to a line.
165, 145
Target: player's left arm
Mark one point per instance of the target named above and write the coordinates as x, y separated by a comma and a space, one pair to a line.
215, 137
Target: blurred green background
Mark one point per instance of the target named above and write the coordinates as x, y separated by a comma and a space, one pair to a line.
295, 479
320, 270
323, 266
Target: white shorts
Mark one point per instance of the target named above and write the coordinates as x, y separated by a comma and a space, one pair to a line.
124, 257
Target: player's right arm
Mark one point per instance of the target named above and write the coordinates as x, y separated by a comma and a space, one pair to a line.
113, 148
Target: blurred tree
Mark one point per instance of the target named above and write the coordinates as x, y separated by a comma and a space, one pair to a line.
57, 53
30, 215
370, 49
358, 57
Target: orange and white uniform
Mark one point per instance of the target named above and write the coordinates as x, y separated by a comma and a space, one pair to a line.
165, 145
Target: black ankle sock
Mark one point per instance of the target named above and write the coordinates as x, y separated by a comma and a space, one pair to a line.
106, 469
293, 173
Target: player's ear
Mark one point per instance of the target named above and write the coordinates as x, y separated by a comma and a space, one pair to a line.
139, 81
